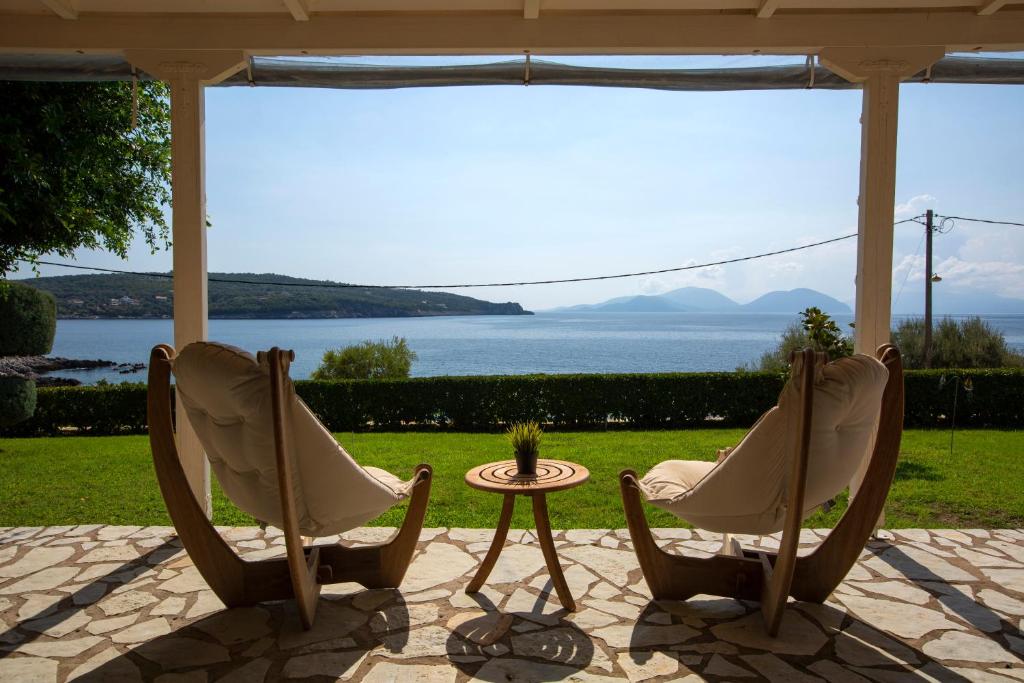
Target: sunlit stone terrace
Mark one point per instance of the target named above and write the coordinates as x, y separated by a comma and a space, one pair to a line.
125, 603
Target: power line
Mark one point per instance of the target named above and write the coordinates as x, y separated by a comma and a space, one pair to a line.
594, 278
343, 285
909, 269
982, 220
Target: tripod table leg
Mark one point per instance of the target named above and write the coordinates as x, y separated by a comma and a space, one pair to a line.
500, 534
547, 544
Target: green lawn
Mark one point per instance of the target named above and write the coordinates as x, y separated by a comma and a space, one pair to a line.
110, 480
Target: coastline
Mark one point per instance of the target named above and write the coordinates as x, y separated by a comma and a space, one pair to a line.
37, 368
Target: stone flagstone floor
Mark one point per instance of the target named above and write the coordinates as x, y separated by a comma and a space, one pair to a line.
112, 603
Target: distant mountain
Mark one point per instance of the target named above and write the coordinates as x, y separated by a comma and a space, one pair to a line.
700, 299
703, 300
641, 304
270, 296
794, 301
958, 301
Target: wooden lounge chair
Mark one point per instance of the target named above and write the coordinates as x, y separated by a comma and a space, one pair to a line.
799, 455
275, 461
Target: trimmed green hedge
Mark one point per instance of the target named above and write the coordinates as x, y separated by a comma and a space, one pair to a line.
17, 400
110, 409
28, 320
995, 398
645, 401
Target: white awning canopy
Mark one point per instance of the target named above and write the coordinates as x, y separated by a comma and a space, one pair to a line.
341, 74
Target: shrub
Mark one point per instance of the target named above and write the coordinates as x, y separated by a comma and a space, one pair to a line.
987, 398
816, 330
110, 409
579, 402
17, 400
367, 360
28, 320
970, 343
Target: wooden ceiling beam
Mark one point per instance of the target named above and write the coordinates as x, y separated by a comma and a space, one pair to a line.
494, 33
531, 9
65, 9
767, 8
298, 8
990, 7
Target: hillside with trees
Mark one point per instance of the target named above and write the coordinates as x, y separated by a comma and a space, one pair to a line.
151, 296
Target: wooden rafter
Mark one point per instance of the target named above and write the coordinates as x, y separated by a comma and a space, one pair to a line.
767, 8
298, 8
474, 33
990, 7
531, 9
65, 9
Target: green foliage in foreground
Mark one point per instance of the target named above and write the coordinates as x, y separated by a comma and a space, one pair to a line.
28, 320
564, 402
110, 480
76, 173
816, 330
17, 399
970, 343
967, 344
367, 360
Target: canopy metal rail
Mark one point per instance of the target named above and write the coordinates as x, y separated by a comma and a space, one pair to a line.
298, 73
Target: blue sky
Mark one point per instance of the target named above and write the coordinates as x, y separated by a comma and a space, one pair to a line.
512, 183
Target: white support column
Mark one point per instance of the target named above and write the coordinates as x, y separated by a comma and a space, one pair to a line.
187, 73
880, 70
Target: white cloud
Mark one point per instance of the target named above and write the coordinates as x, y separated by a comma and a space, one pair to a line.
1005, 244
785, 267
1001, 277
914, 206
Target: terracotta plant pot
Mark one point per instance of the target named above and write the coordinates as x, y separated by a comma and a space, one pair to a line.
526, 463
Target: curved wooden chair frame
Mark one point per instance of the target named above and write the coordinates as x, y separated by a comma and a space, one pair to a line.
772, 577
304, 569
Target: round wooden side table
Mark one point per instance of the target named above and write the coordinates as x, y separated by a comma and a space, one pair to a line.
503, 477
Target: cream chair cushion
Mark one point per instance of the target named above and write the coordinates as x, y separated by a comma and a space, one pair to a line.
746, 492
227, 396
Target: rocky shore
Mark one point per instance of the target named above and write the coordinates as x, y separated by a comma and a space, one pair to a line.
37, 367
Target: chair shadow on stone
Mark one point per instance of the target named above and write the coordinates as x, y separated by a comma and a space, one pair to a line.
957, 602
817, 640
268, 641
31, 628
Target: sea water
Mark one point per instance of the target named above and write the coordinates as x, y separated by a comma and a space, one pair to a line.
477, 345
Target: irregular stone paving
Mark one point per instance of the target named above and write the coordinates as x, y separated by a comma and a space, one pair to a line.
112, 603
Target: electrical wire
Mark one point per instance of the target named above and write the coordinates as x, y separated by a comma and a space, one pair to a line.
343, 285
594, 278
907, 276
982, 220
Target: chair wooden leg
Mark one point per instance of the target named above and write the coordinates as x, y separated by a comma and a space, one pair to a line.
678, 577
818, 574
238, 582
381, 566
227, 574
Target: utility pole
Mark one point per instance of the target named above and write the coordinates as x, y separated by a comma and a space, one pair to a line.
928, 289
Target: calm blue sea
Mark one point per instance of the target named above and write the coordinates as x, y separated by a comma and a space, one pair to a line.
478, 345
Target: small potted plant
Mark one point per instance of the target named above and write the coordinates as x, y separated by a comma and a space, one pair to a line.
525, 439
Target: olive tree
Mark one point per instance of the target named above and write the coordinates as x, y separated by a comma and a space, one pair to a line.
75, 173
